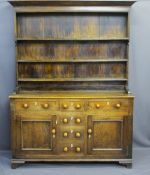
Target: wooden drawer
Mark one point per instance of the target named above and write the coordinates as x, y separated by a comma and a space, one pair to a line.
36, 104
109, 105
72, 119
72, 105
69, 133
72, 148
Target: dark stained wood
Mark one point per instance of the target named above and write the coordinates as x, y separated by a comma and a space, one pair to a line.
110, 130
72, 70
71, 2
71, 101
110, 136
62, 31
71, 50
71, 26
74, 85
40, 135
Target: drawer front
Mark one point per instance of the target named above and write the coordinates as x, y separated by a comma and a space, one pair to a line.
71, 133
71, 148
71, 105
45, 105
72, 119
120, 106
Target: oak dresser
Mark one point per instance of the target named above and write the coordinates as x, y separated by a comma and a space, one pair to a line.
72, 101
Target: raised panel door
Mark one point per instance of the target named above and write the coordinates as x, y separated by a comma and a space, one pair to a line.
109, 137
36, 135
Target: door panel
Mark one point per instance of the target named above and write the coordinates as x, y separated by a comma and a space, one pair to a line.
108, 136
109, 133
36, 134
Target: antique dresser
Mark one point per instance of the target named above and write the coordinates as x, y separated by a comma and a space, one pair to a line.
72, 101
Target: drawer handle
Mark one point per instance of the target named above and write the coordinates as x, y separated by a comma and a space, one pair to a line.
66, 149
78, 120
78, 134
65, 134
53, 131
45, 105
65, 120
78, 149
78, 106
25, 105
97, 106
89, 131
65, 106
118, 105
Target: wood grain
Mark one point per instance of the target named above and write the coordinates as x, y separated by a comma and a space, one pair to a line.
72, 70
71, 2
71, 50
71, 26
110, 137
71, 102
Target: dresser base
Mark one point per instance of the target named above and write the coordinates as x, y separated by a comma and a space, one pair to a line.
15, 163
72, 127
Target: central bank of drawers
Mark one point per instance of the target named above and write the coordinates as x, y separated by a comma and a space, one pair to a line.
72, 133
72, 117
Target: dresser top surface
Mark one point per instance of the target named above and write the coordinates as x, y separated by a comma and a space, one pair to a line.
73, 94
71, 2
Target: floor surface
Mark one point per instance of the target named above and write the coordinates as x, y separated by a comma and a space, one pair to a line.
141, 166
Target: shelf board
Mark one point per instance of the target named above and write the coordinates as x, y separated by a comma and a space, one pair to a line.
73, 39
72, 61
69, 79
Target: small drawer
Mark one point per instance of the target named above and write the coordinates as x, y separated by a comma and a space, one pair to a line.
72, 133
116, 105
72, 119
36, 104
72, 148
66, 105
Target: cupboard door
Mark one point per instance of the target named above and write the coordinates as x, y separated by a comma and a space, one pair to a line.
109, 137
36, 134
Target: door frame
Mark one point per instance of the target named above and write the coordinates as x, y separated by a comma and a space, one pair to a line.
29, 117
126, 137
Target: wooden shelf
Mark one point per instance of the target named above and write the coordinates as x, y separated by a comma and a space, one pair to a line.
74, 51
73, 39
73, 61
69, 79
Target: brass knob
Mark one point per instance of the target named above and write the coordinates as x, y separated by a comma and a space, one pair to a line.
89, 131
118, 105
45, 105
25, 105
65, 120
78, 134
66, 149
78, 149
65, 134
53, 131
78, 120
78, 106
97, 105
65, 106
